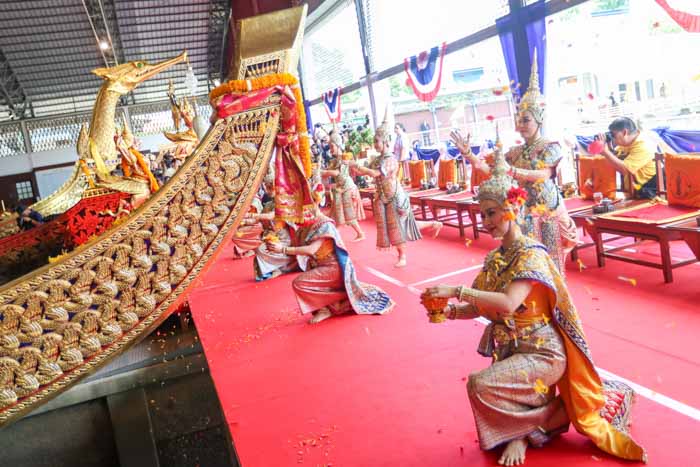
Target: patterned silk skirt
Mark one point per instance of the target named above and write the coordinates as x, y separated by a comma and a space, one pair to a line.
396, 223
267, 262
557, 233
515, 396
246, 239
347, 206
322, 286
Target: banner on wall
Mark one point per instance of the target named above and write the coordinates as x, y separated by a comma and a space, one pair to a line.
684, 12
331, 102
425, 72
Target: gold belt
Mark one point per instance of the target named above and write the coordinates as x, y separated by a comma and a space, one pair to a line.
500, 335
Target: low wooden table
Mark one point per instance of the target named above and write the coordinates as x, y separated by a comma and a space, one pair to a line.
368, 193
640, 229
581, 215
471, 206
416, 199
450, 202
689, 230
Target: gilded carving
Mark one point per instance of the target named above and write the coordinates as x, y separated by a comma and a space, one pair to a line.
64, 321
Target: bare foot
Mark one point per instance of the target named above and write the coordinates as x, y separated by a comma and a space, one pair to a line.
401, 262
359, 238
514, 453
437, 226
320, 315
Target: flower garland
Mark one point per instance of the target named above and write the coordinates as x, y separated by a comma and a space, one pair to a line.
515, 199
277, 79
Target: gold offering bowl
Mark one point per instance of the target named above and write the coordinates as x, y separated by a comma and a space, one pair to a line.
435, 307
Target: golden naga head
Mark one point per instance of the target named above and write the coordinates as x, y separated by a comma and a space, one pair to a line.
124, 78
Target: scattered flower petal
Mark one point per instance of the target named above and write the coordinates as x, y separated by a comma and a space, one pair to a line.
628, 279
540, 387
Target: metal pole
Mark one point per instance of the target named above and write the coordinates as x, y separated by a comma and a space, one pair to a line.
359, 11
25, 136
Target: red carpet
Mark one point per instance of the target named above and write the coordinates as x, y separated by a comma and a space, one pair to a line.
390, 390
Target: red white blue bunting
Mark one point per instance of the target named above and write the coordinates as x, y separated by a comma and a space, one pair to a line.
425, 72
680, 11
331, 102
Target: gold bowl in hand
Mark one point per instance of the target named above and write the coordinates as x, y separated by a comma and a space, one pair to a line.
435, 307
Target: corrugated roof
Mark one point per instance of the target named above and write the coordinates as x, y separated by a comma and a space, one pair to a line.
50, 47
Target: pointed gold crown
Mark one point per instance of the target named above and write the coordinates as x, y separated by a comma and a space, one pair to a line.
383, 132
269, 43
496, 187
533, 101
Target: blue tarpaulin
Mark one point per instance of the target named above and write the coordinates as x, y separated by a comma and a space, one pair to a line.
681, 141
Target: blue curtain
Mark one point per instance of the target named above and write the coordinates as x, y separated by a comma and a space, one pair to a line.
681, 141
530, 17
309, 123
434, 154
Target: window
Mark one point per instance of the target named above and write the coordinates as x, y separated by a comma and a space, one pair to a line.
652, 85
471, 99
401, 28
24, 190
354, 109
332, 53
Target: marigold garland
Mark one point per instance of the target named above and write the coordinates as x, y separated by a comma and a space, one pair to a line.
277, 79
86, 172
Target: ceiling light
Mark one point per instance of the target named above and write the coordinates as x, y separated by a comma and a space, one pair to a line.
104, 45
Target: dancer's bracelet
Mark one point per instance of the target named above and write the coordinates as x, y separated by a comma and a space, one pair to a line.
284, 250
451, 311
467, 294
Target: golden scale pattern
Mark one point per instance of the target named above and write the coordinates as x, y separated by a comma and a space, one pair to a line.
65, 320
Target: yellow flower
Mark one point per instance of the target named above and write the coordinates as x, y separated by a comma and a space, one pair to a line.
540, 387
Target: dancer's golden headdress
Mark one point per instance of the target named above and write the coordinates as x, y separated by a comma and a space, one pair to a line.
383, 132
501, 187
533, 100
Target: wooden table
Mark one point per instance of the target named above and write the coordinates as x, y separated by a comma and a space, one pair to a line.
689, 230
471, 206
416, 198
450, 202
368, 193
582, 218
642, 229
